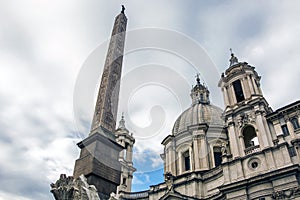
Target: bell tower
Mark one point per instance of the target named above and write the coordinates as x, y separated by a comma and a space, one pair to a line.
126, 140
99, 156
245, 109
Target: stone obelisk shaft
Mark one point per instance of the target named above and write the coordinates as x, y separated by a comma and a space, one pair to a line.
108, 96
99, 155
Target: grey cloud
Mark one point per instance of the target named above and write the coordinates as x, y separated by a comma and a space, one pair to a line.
47, 76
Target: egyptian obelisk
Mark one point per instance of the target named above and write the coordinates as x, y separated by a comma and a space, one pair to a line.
99, 154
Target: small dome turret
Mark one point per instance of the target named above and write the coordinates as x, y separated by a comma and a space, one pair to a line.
122, 128
200, 93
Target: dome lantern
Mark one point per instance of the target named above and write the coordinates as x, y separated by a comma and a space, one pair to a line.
200, 93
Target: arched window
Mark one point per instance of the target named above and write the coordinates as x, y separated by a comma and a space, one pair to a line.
239, 94
186, 160
217, 156
250, 137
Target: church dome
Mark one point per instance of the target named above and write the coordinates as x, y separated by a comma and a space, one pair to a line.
198, 114
201, 111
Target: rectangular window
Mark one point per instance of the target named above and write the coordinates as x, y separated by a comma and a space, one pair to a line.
295, 123
201, 98
124, 181
285, 130
187, 165
218, 158
292, 151
238, 91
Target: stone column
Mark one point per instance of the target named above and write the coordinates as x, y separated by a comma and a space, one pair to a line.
168, 160
203, 152
191, 158
128, 183
180, 162
173, 160
244, 88
267, 131
247, 88
212, 156
251, 85
196, 152
122, 152
254, 85
129, 153
225, 96
242, 144
291, 128
262, 135
233, 97
233, 140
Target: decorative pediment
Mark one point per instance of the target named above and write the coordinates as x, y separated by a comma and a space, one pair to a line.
173, 195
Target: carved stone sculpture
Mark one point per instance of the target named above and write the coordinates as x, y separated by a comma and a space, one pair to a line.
66, 188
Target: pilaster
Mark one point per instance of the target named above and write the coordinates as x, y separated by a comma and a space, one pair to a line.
234, 147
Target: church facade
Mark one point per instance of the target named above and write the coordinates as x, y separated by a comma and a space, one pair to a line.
244, 151
247, 151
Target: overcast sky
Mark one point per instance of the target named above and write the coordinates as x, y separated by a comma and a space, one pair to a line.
44, 45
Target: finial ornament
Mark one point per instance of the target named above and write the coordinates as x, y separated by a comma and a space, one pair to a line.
197, 78
123, 9
122, 122
233, 60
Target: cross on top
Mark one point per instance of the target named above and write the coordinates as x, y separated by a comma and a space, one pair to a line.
197, 78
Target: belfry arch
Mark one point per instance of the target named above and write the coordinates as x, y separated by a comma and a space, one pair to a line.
250, 136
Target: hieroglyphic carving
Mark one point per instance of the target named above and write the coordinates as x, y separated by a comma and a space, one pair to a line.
108, 95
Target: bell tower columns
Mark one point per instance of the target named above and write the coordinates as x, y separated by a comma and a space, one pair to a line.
245, 109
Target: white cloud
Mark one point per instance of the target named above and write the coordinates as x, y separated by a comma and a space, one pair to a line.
141, 179
156, 162
5, 196
44, 44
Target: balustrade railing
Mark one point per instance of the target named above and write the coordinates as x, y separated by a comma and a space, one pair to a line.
252, 149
